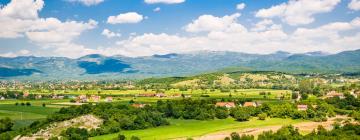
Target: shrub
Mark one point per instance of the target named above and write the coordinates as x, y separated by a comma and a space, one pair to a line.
241, 114
135, 138
121, 137
262, 116
235, 136
28, 104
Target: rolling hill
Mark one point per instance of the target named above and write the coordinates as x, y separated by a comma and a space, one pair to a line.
97, 66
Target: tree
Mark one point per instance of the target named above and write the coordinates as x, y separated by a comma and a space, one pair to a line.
5, 124
235, 136
28, 104
75, 133
121, 137
221, 113
241, 114
134, 138
262, 116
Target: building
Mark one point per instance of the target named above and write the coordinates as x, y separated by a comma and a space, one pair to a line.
95, 98
82, 99
333, 93
225, 104
249, 104
138, 105
177, 95
302, 107
109, 99
160, 95
147, 95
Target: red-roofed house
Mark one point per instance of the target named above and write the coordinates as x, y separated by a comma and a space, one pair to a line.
225, 104
138, 105
302, 107
334, 94
249, 104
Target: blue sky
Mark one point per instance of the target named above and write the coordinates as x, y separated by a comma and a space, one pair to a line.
178, 26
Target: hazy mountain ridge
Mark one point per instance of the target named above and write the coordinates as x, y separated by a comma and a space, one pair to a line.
96, 66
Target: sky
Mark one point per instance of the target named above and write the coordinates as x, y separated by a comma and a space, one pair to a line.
74, 28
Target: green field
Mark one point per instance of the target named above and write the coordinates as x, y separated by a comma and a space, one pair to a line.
193, 128
24, 115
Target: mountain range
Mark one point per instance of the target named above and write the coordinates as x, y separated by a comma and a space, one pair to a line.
96, 66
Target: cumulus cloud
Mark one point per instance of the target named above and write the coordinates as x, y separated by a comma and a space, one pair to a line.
298, 12
354, 5
164, 1
157, 9
264, 37
110, 34
207, 23
240, 6
130, 17
265, 24
45, 32
88, 2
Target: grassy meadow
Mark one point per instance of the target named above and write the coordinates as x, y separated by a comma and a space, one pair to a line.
24, 115
192, 128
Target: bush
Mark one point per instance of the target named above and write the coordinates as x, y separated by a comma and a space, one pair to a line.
75, 133
16, 103
221, 113
262, 116
5, 124
121, 137
135, 138
204, 95
28, 104
241, 114
43, 104
235, 136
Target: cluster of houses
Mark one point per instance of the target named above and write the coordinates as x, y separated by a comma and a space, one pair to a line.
92, 98
333, 93
162, 95
232, 104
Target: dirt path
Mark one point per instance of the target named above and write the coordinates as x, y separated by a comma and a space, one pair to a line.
305, 126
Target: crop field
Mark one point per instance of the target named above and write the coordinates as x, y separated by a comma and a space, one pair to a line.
24, 115
193, 128
241, 93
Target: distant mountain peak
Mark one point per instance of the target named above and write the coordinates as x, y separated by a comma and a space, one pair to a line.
317, 53
170, 55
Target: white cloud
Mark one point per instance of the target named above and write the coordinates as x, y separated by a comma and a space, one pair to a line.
45, 32
264, 37
88, 2
164, 1
130, 17
157, 9
265, 24
354, 5
240, 6
14, 54
298, 12
110, 34
22, 9
207, 23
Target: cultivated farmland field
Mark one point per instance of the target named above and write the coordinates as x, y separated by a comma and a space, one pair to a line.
193, 128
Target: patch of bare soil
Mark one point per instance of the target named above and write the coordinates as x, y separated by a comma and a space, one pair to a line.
87, 121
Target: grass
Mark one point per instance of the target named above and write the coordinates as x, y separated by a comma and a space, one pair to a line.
24, 115
193, 128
